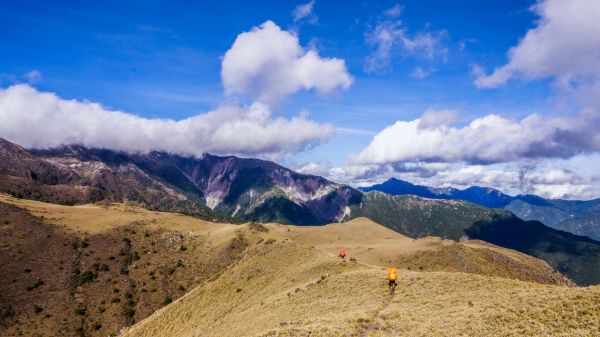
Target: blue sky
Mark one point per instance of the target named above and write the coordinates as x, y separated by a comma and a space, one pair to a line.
160, 60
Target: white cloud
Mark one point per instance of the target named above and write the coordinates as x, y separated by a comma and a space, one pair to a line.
269, 64
33, 76
564, 44
543, 180
488, 139
512, 179
533, 155
390, 36
266, 63
432, 118
42, 120
305, 11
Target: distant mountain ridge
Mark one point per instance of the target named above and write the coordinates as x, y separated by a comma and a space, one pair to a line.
224, 188
574, 216
231, 189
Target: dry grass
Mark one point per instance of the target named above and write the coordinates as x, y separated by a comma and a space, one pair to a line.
57, 280
295, 285
95, 219
374, 244
290, 289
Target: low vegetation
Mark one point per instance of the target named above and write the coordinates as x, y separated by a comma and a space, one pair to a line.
237, 284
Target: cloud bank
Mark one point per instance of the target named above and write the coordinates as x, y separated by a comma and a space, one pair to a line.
268, 64
486, 140
543, 180
42, 120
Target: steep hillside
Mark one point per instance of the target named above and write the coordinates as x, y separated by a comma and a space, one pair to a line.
574, 216
575, 256
419, 217
90, 270
211, 187
71, 177
289, 289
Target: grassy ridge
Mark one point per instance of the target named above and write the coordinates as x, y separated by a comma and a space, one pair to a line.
289, 289
575, 256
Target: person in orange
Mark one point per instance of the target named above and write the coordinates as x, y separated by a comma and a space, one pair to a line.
392, 276
342, 254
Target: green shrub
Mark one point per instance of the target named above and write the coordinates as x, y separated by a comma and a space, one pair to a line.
86, 277
270, 241
37, 309
100, 267
128, 311
35, 284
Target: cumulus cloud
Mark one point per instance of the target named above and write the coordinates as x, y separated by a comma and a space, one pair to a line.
489, 151
389, 36
42, 120
269, 64
489, 139
305, 12
435, 118
266, 63
564, 44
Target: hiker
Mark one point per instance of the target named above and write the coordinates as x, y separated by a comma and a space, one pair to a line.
392, 278
342, 254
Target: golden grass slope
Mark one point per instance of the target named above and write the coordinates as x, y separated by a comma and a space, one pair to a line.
290, 289
95, 219
290, 282
374, 244
362, 238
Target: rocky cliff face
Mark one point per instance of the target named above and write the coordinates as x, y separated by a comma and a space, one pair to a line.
227, 188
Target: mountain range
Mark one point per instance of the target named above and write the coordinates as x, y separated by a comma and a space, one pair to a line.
574, 216
232, 189
211, 187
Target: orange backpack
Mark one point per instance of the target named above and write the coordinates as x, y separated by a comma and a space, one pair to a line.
392, 274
